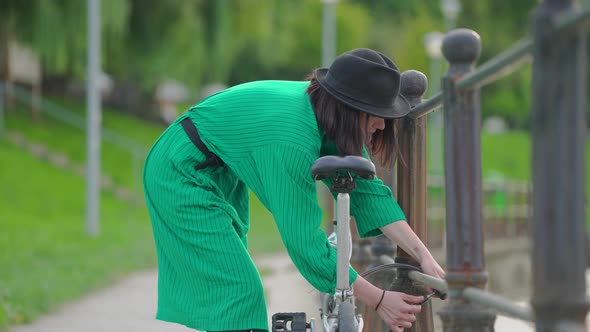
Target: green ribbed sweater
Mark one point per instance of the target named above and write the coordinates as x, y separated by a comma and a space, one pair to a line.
267, 135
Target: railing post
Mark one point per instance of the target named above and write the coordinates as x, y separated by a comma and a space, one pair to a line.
411, 180
558, 125
412, 199
463, 188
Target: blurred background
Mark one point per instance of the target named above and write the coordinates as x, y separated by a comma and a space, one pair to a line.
157, 58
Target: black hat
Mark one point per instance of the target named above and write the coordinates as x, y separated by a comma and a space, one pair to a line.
367, 81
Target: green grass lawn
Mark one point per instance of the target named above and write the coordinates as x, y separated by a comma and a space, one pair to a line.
45, 254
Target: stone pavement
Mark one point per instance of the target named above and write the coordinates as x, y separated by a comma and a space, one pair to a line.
129, 305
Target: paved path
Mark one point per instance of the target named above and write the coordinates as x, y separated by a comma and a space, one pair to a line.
129, 306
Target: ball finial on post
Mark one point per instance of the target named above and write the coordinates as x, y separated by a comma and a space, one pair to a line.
413, 83
461, 46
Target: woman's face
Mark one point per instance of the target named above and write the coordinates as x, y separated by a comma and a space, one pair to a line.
370, 125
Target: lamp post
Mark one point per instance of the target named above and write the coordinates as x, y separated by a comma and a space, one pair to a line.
93, 120
450, 10
328, 32
432, 44
328, 55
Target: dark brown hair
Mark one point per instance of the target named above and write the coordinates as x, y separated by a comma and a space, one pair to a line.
342, 125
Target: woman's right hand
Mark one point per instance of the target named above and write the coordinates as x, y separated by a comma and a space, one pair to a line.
398, 310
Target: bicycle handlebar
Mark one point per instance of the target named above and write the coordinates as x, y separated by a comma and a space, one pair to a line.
416, 274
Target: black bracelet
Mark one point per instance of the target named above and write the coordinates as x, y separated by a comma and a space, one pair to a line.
378, 304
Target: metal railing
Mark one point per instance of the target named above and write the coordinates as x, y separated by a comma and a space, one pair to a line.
136, 151
558, 51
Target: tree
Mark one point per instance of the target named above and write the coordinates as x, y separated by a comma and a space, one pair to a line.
57, 29
501, 24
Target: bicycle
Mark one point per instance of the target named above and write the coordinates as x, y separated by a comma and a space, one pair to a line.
338, 311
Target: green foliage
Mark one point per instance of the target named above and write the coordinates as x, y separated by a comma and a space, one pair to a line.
510, 104
500, 25
57, 30
115, 17
230, 42
289, 46
16, 19
165, 41
393, 10
193, 41
353, 27
404, 40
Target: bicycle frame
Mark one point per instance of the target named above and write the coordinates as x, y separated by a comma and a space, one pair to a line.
337, 311
344, 248
343, 293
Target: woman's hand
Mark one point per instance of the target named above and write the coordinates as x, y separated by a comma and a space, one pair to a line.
395, 308
431, 267
401, 234
398, 310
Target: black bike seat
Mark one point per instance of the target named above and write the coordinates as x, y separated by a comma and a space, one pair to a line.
325, 166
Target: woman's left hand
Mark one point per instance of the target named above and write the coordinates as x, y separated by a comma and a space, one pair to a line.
402, 234
431, 267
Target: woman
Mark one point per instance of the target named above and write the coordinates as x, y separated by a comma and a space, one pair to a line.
265, 136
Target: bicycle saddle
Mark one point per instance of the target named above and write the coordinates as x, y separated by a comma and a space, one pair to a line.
325, 166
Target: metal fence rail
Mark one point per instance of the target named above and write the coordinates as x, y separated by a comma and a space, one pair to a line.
499, 66
428, 106
136, 150
573, 17
503, 305
77, 121
477, 295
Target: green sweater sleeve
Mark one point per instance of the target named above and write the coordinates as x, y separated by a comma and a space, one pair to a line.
371, 203
280, 176
372, 206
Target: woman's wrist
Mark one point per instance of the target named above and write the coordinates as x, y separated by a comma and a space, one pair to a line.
403, 235
367, 292
423, 255
380, 300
